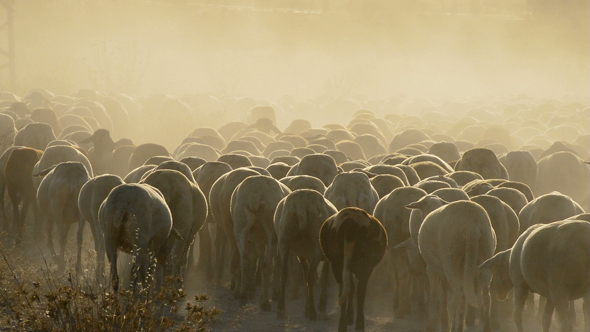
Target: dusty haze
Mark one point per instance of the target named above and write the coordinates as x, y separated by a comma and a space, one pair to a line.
144, 47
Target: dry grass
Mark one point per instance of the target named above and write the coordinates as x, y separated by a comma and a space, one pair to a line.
33, 298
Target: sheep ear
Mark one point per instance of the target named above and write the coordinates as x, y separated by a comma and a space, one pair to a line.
174, 232
488, 264
404, 245
494, 260
44, 172
415, 205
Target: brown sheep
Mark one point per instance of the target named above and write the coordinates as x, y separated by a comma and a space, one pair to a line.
19, 183
354, 242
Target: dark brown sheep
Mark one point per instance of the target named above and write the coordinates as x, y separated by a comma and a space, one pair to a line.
354, 242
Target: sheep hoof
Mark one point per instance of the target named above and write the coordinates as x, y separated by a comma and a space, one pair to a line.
281, 314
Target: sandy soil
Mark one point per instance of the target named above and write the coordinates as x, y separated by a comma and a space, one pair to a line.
378, 313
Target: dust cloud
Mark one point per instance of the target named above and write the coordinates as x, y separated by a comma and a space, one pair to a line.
308, 50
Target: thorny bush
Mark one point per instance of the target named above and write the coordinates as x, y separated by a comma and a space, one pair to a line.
32, 298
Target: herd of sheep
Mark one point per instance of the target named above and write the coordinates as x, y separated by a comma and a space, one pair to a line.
454, 205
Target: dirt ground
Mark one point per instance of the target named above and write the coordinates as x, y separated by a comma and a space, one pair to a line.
378, 314
248, 317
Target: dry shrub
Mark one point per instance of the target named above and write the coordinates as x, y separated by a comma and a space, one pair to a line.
32, 298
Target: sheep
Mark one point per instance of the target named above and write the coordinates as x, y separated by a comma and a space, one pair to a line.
410, 173
278, 145
135, 219
521, 166
522, 187
406, 138
371, 145
428, 157
304, 182
506, 226
143, 152
354, 242
321, 166
446, 151
135, 175
35, 135
7, 132
205, 176
454, 240
566, 173
234, 146
279, 170
482, 161
514, 198
546, 209
92, 194
388, 169
253, 205
120, 160
188, 207
58, 201
301, 152
431, 185
198, 150
173, 165
352, 189
54, 155
19, 183
551, 260
391, 212
48, 116
3, 160
102, 152
157, 160
193, 162
259, 161
463, 177
385, 184
297, 221
235, 160
220, 201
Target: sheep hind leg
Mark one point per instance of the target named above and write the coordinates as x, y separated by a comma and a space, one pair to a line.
548, 313
50, 238
284, 267
586, 311
520, 298
205, 251
22, 218
360, 303
79, 242
266, 268
16, 220
324, 283
63, 238
311, 276
350, 306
